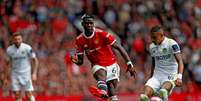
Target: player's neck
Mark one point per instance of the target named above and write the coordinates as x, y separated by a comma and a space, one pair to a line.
18, 46
162, 39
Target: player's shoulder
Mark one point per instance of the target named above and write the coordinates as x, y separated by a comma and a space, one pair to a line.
79, 36
170, 41
101, 33
25, 45
152, 45
9, 48
99, 30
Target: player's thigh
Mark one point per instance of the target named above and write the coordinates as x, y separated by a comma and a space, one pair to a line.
113, 72
149, 91
152, 86
29, 86
99, 72
168, 83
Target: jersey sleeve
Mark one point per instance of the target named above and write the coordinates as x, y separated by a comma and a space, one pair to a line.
108, 38
174, 47
31, 54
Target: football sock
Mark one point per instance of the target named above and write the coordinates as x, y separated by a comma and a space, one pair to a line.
102, 85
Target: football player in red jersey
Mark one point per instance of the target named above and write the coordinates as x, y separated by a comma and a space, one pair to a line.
97, 45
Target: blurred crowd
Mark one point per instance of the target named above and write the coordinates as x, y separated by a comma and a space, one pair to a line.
50, 27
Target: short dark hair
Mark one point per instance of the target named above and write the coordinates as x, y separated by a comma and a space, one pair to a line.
87, 17
155, 28
17, 34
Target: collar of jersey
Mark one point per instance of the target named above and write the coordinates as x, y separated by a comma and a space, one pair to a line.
18, 47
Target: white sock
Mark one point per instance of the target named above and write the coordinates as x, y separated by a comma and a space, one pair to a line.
114, 98
32, 98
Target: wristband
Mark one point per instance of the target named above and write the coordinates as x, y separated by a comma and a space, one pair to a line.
130, 63
179, 76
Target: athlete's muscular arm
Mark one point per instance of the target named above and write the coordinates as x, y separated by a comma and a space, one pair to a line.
180, 68
35, 68
152, 67
125, 56
7, 72
77, 59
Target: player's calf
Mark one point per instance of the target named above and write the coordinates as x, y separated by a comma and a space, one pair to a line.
30, 96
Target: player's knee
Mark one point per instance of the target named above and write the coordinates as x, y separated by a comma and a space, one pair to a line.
148, 91
100, 75
144, 97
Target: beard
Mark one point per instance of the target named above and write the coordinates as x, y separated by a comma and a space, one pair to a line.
88, 32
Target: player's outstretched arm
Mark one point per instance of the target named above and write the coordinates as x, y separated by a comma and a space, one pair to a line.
35, 68
6, 75
123, 52
77, 59
180, 69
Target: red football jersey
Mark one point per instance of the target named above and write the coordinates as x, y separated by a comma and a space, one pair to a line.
97, 47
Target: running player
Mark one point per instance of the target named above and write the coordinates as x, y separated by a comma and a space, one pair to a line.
167, 66
97, 45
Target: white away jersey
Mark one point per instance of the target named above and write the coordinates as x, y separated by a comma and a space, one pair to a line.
165, 61
20, 58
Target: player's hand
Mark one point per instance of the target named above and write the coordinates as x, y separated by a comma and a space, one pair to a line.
34, 77
178, 82
131, 70
74, 58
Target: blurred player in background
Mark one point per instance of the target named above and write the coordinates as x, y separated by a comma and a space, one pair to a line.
22, 74
96, 44
167, 66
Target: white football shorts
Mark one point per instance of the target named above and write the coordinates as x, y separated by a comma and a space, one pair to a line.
113, 71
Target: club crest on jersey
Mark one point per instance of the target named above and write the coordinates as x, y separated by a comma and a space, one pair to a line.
96, 41
164, 50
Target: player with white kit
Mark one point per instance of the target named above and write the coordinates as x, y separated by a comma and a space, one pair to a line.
167, 66
19, 55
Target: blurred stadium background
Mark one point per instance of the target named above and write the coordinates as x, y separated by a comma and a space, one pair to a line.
50, 27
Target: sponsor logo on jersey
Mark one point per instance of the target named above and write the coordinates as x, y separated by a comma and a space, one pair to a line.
163, 57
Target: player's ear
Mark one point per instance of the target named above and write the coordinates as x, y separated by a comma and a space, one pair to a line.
82, 23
